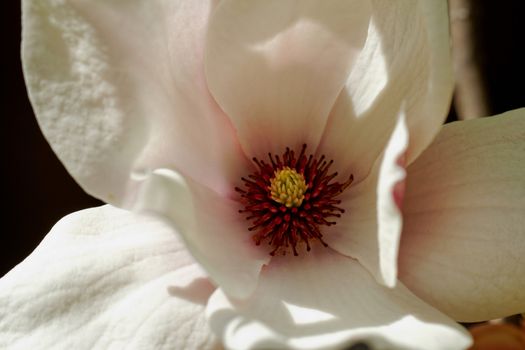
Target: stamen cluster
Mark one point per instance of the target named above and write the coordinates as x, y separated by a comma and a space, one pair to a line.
284, 226
288, 187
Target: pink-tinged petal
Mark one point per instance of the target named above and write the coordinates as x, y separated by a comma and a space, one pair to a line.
118, 87
106, 278
276, 67
463, 240
370, 228
324, 300
213, 230
405, 62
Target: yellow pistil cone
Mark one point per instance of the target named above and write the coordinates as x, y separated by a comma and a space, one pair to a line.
288, 187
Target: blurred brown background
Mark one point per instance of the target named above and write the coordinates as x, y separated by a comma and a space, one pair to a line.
37, 191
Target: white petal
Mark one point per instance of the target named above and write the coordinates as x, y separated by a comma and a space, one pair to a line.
276, 67
405, 62
370, 228
463, 240
105, 278
324, 300
118, 87
214, 231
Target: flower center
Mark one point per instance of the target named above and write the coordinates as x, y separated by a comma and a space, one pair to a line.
290, 198
288, 187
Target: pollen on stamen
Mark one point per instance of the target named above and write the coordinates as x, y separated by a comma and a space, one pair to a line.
289, 199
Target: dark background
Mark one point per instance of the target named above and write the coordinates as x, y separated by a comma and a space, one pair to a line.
37, 191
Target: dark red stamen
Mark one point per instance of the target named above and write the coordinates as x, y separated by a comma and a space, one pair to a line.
284, 227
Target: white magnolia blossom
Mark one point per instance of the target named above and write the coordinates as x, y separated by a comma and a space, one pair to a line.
157, 107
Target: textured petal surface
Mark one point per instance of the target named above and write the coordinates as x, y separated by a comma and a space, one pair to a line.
370, 229
405, 63
463, 239
106, 278
118, 88
276, 67
215, 233
324, 300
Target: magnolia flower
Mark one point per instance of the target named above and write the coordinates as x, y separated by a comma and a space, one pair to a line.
158, 108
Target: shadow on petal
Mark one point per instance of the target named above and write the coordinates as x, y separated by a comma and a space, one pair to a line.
198, 291
325, 301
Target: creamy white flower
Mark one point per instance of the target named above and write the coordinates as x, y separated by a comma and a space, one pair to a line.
158, 106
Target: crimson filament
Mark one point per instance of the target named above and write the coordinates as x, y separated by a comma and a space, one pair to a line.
290, 198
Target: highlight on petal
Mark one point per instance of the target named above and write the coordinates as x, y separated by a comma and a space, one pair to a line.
118, 87
213, 230
328, 301
370, 228
464, 229
276, 67
405, 62
106, 278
